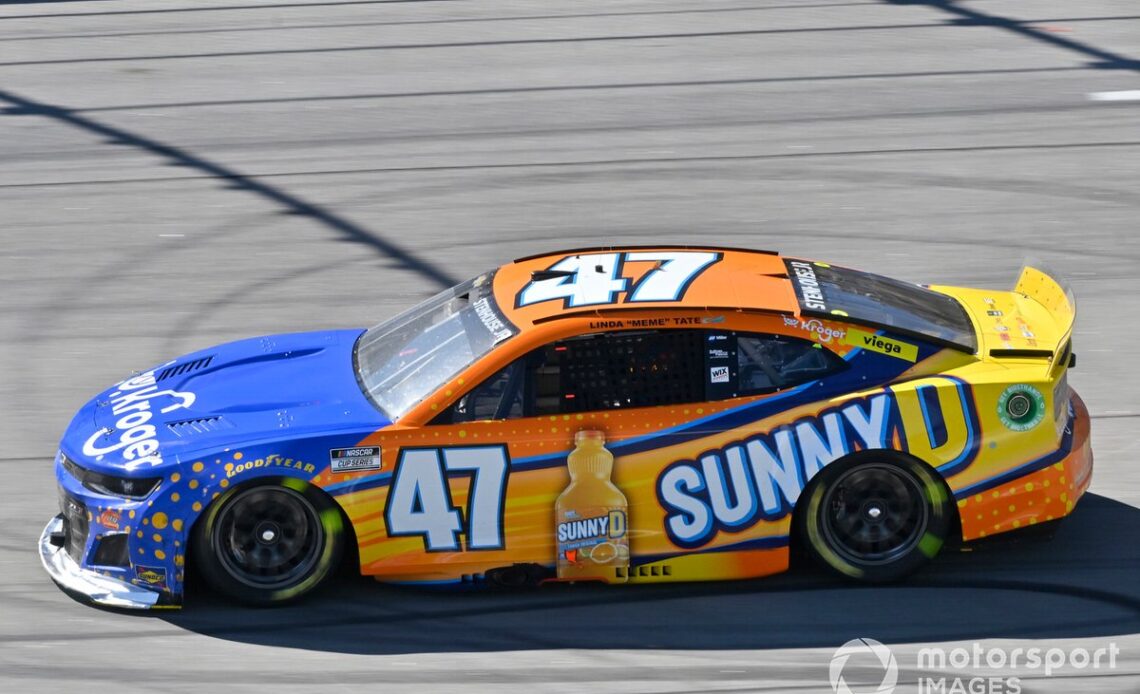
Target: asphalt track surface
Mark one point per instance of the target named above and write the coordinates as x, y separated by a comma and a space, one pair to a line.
176, 173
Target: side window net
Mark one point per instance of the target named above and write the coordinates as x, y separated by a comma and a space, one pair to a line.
619, 370
622, 370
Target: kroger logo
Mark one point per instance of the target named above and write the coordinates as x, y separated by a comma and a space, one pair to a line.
868, 654
815, 327
137, 435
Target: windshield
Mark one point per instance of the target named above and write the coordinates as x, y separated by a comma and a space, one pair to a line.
405, 359
881, 301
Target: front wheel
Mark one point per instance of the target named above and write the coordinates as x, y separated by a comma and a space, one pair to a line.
876, 518
268, 544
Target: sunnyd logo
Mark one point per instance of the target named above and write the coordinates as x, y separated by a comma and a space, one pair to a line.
610, 525
131, 403
870, 651
732, 487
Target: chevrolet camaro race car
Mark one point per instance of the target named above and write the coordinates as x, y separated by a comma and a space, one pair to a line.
623, 415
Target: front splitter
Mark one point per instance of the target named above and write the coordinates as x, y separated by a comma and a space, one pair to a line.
90, 585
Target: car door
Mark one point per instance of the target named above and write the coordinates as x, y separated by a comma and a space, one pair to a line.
479, 487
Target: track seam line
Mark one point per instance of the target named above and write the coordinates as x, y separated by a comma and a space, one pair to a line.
728, 158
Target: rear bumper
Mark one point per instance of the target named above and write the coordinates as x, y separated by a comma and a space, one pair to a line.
87, 583
1048, 490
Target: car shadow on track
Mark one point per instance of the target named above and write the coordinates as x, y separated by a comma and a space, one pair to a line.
1073, 579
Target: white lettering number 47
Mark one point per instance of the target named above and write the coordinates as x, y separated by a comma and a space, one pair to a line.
595, 279
419, 502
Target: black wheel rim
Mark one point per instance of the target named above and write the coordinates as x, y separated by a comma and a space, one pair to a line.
269, 537
874, 514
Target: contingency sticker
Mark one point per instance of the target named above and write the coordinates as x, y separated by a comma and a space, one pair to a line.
354, 459
151, 575
1021, 407
882, 345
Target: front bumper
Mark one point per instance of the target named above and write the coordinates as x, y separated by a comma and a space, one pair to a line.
115, 551
90, 584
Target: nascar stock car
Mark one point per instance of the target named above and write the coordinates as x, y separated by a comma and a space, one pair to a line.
624, 415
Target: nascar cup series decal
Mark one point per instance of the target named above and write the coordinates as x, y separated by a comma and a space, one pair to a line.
131, 403
735, 486
590, 515
354, 459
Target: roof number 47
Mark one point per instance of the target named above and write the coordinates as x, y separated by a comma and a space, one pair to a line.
587, 280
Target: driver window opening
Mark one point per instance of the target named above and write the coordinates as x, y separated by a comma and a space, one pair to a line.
634, 369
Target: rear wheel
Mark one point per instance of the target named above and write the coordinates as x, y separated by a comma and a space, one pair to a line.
269, 543
877, 517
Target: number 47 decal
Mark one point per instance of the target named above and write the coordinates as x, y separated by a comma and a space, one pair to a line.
419, 502
586, 280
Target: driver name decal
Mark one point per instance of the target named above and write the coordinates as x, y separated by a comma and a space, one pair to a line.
807, 286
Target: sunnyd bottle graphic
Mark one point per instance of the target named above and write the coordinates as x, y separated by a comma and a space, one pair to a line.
590, 515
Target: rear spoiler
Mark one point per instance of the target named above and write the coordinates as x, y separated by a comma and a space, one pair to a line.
1058, 300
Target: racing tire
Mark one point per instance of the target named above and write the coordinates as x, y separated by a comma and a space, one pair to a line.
875, 517
268, 543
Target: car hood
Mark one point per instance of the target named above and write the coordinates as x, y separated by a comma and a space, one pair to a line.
261, 389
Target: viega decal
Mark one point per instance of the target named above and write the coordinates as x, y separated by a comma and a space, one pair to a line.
131, 404
733, 487
274, 461
882, 345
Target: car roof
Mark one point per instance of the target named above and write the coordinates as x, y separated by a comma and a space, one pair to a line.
737, 279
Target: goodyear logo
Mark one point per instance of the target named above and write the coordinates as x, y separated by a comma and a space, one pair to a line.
882, 345
270, 461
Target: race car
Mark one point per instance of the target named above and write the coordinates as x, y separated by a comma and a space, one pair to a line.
618, 414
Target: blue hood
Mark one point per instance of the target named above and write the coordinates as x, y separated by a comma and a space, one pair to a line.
278, 387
